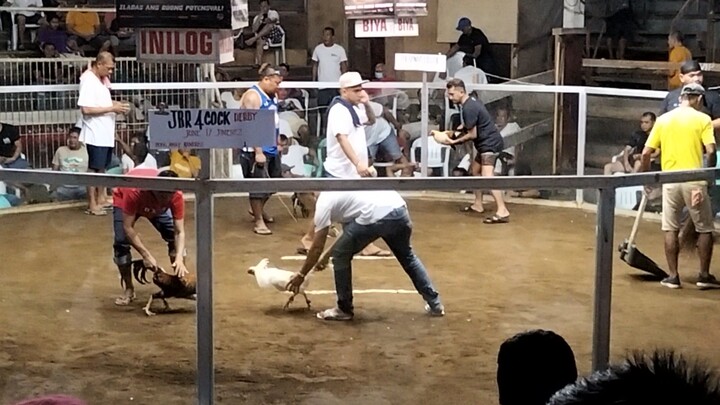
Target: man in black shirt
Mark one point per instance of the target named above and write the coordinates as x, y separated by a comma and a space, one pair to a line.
690, 72
629, 160
475, 43
11, 148
477, 125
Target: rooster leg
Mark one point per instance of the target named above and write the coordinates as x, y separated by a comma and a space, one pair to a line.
307, 300
167, 306
287, 304
146, 308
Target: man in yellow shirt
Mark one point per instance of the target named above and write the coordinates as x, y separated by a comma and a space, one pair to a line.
678, 54
84, 29
682, 135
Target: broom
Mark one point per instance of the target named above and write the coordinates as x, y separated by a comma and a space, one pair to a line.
630, 254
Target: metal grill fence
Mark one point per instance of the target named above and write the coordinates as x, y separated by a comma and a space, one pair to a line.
44, 118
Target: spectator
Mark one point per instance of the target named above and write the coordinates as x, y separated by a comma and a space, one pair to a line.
506, 128
381, 135
691, 72
628, 161
620, 25
329, 61
682, 135
532, 366
266, 30
291, 111
54, 35
678, 54
475, 43
136, 154
284, 70
22, 18
85, 28
119, 37
659, 378
184, 163
11, 148
71, 158
98, 123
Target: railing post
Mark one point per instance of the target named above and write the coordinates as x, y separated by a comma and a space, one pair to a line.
581, 140
424, 112
603, 278
204, 312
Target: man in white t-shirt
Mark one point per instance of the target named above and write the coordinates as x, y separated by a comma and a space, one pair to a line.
98, 123
329, 61
70, 158
366, 215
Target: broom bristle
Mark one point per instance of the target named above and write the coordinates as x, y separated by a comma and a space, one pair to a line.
688, 237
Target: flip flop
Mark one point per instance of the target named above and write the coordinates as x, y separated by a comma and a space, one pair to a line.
379, 253
470, 210
301, 251
262, 231
496, 219
266, 218
99, 213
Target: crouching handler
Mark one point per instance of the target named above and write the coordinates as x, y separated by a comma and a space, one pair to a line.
164, 210
366, 216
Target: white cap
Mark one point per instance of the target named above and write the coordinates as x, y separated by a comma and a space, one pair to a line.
351, 79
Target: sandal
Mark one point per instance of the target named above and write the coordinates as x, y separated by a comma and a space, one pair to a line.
470, 210
262, 231
301, 251
496, 219
268, 219
98, 213
334, 314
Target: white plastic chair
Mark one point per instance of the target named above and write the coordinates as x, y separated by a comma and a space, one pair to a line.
279, 48
438, 155
32, 28
295, 158
229, 100
236, 172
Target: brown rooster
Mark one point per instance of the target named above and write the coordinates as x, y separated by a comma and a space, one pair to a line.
171, 286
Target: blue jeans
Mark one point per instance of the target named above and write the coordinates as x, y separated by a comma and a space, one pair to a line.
395, 229
121, 244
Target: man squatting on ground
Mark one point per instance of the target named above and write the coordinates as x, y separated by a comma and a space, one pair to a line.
682, 134
165, 211
366, 216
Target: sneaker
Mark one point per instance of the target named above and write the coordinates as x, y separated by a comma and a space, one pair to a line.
707, 282
334, 314
671, 282
438, 310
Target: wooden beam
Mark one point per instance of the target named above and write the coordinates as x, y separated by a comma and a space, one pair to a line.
642, 65
529, 132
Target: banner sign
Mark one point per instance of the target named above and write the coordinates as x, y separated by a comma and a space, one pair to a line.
189, 14
211, 128
387, 27
185, 46
421, 62
361, 9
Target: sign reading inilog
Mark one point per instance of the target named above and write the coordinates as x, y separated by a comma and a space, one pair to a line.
188, 14
211, 129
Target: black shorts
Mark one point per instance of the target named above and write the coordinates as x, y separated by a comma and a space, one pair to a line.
271, 169
33, 19
620, 25
99, 157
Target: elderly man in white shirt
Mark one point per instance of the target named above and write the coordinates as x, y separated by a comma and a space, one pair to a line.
366, 215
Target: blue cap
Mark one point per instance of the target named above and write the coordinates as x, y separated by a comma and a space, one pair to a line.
463, 23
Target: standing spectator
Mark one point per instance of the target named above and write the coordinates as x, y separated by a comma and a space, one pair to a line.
262, 162
691, 72
22, 18
329, 61
477, 125
98, 123
85, 28
71, 158
682, 135
475, 43
620, 25
11, 148
678, 54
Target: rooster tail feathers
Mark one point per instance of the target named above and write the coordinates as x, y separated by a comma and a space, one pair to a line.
139, 271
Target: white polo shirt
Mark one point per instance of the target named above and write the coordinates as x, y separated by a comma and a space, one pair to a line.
96, 130
364, 207
340, 122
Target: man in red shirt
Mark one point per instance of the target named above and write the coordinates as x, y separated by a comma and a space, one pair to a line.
165, 211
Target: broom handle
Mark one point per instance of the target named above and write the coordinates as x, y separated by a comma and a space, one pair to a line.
636, 225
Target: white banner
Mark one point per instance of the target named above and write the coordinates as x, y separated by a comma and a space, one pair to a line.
200, 46
387, 27
421, 62
211, 129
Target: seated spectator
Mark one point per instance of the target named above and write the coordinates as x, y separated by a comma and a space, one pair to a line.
71, 158
136, 154
22, 18
265, 29
532, 366
184, 163
53, 35
11, 148
292, 111
628, 161
381, 133
658, 378
85, 29
119, 37
284, 69
506, 128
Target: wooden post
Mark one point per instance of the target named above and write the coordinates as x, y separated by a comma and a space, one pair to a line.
569, 45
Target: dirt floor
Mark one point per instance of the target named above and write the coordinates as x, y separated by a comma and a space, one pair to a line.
62, 333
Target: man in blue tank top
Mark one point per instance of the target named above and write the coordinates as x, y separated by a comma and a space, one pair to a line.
262, 162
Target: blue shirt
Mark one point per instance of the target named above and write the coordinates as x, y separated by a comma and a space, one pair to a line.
267, 103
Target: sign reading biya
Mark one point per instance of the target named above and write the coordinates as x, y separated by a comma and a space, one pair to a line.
211, 129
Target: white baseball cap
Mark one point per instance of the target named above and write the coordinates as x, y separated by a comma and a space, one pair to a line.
351, 79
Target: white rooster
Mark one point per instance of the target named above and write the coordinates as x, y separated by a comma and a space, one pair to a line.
267, 277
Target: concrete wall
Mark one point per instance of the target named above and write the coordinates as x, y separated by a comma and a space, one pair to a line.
326, 13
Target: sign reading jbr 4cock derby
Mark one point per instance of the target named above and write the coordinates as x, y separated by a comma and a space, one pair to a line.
211, 129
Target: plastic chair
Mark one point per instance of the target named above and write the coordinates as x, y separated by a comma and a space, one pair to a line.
438, 155
32, 28
279, 48
236, 172
321, 153
295, 158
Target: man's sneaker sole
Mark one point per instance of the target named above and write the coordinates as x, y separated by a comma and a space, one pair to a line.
435, 312
670, 285
707, 286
